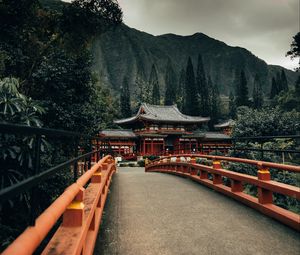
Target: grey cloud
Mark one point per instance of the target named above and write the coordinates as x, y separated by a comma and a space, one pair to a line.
265, 27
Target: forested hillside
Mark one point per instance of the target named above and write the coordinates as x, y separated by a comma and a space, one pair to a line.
125, 50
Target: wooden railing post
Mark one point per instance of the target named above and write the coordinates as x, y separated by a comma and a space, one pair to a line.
264, 196
217, 178
96, 178
236, 186
73, 216
203, 175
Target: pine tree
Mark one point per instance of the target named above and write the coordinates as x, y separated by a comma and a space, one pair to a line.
153, 83
278, 83
190, 100
274, 89
257, 93
142, 88
170, 80
180, 94
242, 93
236, 82
283, 80
232, 106
125, 99
215, 102
202, 88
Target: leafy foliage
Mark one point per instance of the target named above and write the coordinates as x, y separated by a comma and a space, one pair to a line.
41, 47
294, 52
16, 153
251, 122
264, 122
289, 100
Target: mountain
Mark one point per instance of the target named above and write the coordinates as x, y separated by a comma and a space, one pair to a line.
124, 50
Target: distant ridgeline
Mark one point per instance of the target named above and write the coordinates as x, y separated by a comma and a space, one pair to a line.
127, 51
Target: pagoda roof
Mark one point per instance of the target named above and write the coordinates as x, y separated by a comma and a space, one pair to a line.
227, 123
162, 113
117, 133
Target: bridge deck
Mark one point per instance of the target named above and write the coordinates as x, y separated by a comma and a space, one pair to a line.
154, 213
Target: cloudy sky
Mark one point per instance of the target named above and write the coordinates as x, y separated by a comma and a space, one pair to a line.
265, 27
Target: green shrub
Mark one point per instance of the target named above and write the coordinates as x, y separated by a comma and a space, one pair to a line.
203, 161
151, 157
141, 163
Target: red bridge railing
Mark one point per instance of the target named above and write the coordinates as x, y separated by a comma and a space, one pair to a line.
185, 165
81, 209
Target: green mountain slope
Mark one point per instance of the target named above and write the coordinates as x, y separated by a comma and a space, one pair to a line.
123, 50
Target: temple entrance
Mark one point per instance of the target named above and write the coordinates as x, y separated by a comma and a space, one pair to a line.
170, 144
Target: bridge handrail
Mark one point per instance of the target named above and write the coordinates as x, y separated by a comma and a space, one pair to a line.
186, 165
257, 163
31, 238
16, 189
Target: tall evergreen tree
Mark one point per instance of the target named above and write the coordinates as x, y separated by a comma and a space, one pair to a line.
274, 89
154, 85
170, 80
202, 88
232, 106
215, 102
257, 94
180, 94
278, 83
242, 93
125, 99
283, 80
236, 82
190, 100
142, 87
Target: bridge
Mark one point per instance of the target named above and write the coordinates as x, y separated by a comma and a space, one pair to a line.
178, 204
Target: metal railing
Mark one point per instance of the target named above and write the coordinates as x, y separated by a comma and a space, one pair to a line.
87, 165
40, 176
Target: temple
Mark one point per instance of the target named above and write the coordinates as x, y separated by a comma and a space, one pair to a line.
159, 130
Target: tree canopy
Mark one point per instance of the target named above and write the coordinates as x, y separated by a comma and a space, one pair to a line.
294, 52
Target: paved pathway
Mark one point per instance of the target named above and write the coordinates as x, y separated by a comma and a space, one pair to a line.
154, 213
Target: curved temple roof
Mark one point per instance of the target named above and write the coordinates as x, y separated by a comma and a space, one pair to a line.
161, 113
117, 133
